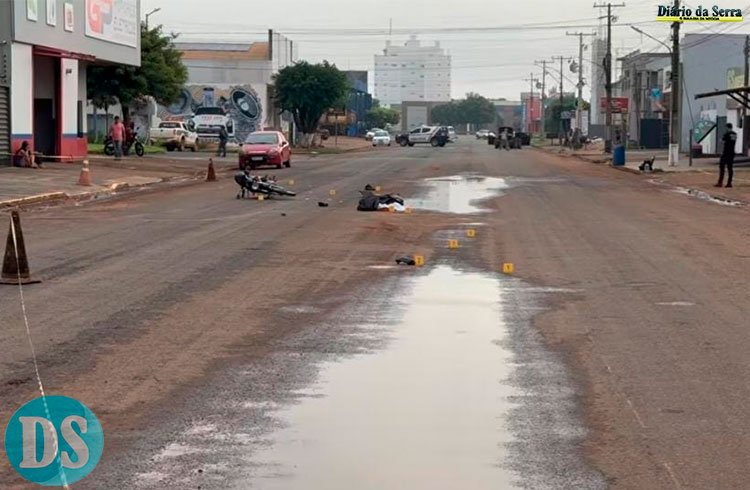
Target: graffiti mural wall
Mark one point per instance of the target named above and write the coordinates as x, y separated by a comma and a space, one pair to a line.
241, 103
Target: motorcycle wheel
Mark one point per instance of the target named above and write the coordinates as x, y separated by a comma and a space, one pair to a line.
109, 150
139, 150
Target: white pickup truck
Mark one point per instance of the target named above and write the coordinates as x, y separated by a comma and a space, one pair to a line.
175, 135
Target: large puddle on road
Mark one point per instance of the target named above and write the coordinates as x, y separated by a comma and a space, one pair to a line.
459, 194
426, 413
434, 382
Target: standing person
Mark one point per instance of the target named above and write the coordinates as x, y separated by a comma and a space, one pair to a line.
223, 137
727, 156
504, 140
117, 133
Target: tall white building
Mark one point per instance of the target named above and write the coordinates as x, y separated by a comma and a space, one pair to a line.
412, 72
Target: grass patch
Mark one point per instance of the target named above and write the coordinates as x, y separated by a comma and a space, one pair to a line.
98, 149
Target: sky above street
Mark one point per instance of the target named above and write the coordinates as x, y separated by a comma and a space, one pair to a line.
493, 44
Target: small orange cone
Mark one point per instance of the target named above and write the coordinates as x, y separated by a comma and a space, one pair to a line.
211, 174
85, 177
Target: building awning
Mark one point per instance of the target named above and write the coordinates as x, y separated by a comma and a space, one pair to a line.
57, 53
739, 94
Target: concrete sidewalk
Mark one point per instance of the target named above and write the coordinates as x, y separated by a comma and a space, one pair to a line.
59, 181
698, 179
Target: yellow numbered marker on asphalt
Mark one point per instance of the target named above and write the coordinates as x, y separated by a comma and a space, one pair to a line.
377, 188
419, 260
508, 268
291, 181
332, 192
471, 233
408, 210
260, 197
391, 209
453, 244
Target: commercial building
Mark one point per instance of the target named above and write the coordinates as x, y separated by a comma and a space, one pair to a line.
45, 46
711, 62
412, 73
358, 103
644, 82
531, 113
236, 78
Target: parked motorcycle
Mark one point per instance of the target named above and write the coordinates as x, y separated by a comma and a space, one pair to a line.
109, 147
259, 185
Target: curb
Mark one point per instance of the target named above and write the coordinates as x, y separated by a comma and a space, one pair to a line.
621, 168
101, 193
39, 198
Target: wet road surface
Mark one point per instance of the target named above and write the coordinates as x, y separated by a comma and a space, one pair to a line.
237, 344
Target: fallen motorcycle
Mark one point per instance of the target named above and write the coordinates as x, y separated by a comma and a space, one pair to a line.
259, 185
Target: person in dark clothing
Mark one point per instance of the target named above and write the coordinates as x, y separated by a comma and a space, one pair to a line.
223, 137
727, 157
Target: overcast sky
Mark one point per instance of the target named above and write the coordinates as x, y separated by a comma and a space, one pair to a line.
493, 43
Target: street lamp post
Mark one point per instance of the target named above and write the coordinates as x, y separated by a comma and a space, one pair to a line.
150, 14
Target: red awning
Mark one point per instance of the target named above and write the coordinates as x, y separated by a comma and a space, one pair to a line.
58, 53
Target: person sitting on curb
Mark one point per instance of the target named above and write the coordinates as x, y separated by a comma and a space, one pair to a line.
25, 158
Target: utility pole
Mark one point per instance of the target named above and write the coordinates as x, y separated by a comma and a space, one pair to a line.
543, 96
608, 73
674, 128
562, 78
745, 132
579, 108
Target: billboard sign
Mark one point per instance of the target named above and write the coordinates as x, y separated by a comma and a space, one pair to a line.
619, 104
114, 21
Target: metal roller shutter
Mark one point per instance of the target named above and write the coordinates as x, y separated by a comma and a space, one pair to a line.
4, 126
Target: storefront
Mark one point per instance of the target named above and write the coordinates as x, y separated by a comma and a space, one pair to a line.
50, 44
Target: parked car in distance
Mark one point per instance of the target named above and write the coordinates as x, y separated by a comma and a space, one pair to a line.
265, 148
381, 138
525, 138
371, 133
174, 135
208, 122
482, 134
422, 134
452, 136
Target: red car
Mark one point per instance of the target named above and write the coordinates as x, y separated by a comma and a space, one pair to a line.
265, 148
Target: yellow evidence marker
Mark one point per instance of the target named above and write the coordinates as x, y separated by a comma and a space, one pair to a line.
471, 233
419, 260
453, 244
508, 268
332, 192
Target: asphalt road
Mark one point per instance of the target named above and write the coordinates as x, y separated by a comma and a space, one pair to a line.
223, 342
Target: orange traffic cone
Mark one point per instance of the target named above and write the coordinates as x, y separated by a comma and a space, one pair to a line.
85, 177
15, 263
211, 174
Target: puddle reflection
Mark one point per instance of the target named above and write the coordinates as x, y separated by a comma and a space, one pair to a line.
459, 194
426, 412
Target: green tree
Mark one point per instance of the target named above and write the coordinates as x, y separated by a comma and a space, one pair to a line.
553, 109
307, 91
449, 114
477, 110
379, 117
161, 74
